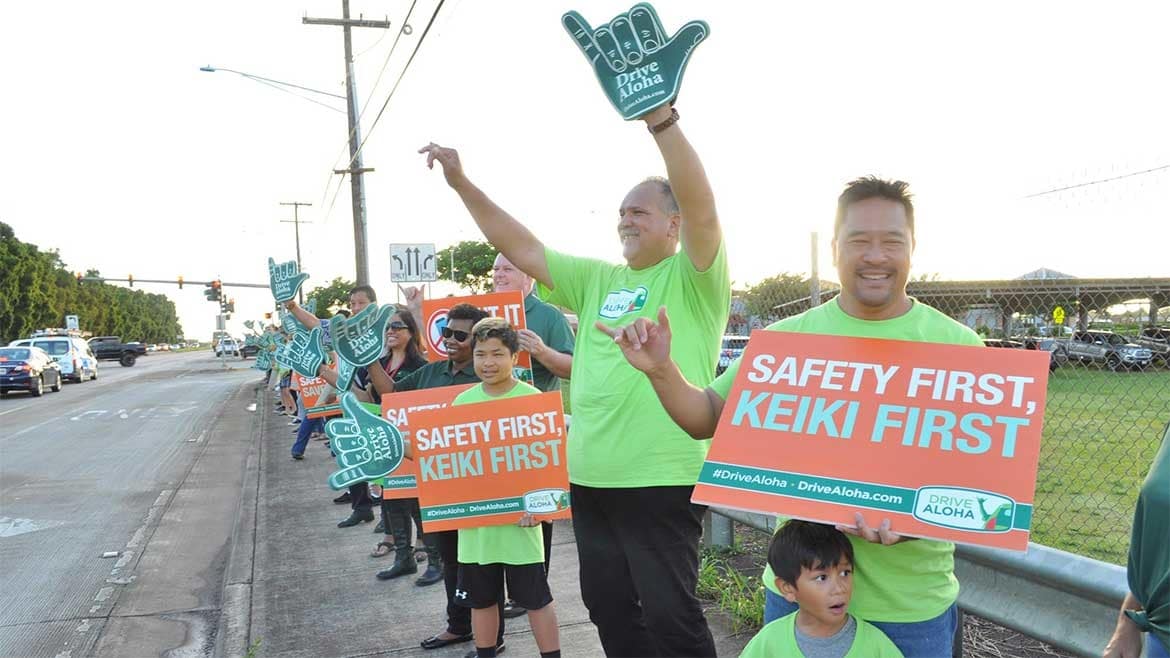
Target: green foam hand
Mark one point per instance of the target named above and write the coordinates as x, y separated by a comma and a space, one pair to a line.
311, 307
361, 339
368, 447
250, 325
284, 279
263, 361
345, 374
290, 323
638, 67
305, 353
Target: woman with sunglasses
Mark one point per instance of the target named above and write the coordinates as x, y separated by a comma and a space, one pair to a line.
404, 356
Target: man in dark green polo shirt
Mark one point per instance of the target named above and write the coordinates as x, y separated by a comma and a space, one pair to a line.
548, 338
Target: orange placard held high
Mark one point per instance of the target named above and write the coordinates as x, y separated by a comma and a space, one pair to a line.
507, 305
314, 392
943, 440
488, 463
400, 409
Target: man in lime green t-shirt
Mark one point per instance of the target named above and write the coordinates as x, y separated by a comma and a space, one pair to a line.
631, 469
908, 587
488, 556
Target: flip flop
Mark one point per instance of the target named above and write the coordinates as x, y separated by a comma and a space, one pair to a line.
378, 552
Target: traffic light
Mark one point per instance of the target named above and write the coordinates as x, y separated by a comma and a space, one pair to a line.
230, 306
267, 316
180, 282
213, 291
130, 278
79, 278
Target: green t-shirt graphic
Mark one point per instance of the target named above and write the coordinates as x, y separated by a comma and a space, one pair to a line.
778, 638
914, 580
621, 436
499, 544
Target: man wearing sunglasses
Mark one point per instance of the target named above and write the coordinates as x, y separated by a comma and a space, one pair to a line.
631, 468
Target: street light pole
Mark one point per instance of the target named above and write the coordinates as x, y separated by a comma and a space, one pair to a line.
296, 222
278, 85
355, 168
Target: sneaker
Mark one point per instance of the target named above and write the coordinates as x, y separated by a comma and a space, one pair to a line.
472, 654
301, 456
511, 610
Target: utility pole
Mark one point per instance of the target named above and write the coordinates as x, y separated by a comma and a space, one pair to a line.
355, 168
296, 222
814, 281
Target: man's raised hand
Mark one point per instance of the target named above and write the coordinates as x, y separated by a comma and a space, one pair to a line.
638, 67
367, 446
284, 280
448, 158
644, 343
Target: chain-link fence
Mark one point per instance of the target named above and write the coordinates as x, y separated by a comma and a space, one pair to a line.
1108, 391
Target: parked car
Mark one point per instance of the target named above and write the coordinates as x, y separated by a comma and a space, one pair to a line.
227, 346
249, 350
111, 348
28, 368
731, 350
1027, 343
1157, 340
1108, 349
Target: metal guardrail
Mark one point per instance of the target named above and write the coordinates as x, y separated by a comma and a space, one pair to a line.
1068, 601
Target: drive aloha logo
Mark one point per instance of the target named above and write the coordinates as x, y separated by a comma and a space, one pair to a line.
621, 302
546, 501
964, 509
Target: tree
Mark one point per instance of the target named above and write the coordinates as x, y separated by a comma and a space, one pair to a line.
784, 287
473, 265
331, 297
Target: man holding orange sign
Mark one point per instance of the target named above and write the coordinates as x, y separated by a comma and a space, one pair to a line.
906, 587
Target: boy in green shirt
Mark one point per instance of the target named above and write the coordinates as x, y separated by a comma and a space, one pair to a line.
814, 567
488, 556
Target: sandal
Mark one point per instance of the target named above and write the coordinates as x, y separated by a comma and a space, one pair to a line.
383, 549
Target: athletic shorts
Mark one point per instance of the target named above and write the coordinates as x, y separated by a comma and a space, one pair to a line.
481, 585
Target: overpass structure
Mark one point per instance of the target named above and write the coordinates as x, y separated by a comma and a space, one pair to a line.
1029, 296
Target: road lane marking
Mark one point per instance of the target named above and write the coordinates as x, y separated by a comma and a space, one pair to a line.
10, 527
16, 409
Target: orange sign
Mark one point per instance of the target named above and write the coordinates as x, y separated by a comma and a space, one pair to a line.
943, 440
399, 408
314, 395
488, 463
508, 305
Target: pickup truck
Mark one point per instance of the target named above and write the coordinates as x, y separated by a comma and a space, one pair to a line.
1108, 349
111, 348
1157, 340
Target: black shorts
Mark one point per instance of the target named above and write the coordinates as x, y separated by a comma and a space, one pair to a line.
481, 585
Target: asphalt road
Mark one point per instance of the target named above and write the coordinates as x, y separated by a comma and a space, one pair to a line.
145, 463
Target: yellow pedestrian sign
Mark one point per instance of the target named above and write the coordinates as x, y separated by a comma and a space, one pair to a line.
1058, 315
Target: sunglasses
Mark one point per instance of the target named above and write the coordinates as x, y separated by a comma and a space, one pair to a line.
397, 326
460, 336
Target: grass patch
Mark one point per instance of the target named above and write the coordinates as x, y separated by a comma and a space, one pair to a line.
740, 596
1101, 430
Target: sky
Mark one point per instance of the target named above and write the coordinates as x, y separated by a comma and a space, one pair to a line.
119, 152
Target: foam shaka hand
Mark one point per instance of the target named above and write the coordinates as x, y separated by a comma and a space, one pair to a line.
638, 67
305, 353
284, 279
368, 447
361, 339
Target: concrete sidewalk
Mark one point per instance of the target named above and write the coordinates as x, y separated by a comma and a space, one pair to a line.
312, 589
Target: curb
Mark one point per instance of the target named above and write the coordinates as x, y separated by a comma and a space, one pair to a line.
235, 617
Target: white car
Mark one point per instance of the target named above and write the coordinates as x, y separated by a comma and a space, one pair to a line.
227, 346
73, 355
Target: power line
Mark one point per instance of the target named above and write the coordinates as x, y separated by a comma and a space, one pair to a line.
398, 81
1098, 182
405, 29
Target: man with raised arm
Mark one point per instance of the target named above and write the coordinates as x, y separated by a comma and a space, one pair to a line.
631, 468
907, 588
